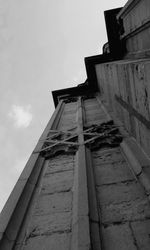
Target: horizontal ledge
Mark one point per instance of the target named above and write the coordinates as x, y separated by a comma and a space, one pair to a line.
136, 30
127, 7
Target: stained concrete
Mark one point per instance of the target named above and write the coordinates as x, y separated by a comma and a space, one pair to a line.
47, 242
141, 231
122, 202
60, 214
118, 237
50, 222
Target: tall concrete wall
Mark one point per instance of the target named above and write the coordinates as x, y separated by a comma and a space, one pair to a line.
48, 208
49, 218
125, 86
87, 182
38, 213
51, 209
82, 190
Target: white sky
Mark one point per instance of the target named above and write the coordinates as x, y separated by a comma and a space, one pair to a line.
42, 48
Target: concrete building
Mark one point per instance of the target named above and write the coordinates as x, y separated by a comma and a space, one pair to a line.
87, 182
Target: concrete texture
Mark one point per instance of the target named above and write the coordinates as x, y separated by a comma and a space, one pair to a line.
128, 80
141, 231
67, 164
135, 16
123, 203
68, 118
127, 210
92, 197
80, 216
88, 199
93, 113
58, 182
50, 220
54, 203
50, 224
47, 242
118, 237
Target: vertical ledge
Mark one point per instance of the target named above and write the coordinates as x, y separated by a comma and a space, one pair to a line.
80, 221
93, 206
14, 211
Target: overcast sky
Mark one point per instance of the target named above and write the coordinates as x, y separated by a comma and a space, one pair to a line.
42, 48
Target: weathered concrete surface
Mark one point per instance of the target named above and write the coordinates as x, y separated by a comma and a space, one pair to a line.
121, 198
94, 114
141, 231
111, 167
53, 223
56, 241
48, 225
60, 182
120, 192
135, 16
50, 222
68, 118
121, 205
112, 173
54, 203
67, 163
118, 237
107, 156
128, 80
122, 201
80, 214
61, 216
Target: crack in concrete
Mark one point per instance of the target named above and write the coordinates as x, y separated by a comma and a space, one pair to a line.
51, 213
133, 236
123, 202
59, 171
109, 224
32, 234
117, 183
57, 192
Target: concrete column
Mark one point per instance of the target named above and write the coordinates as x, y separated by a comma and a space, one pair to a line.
93, 206
80, 221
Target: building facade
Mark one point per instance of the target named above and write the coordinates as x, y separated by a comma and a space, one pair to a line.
87, 182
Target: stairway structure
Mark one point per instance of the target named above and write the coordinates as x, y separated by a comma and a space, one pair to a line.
87, 182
